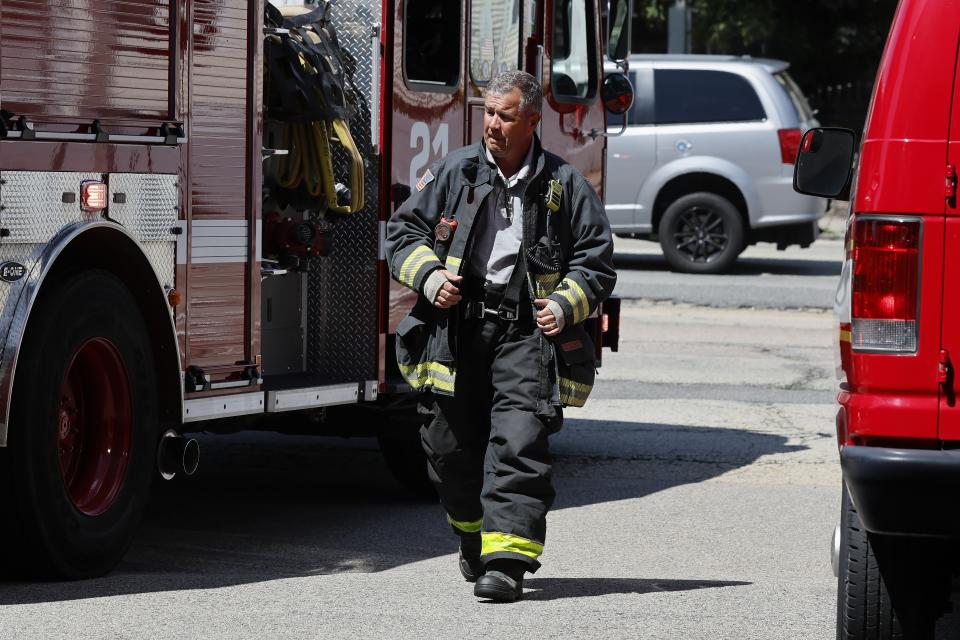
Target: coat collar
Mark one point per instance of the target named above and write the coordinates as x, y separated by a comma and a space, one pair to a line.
479, 170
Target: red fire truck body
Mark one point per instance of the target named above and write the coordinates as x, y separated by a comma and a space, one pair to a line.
136, 292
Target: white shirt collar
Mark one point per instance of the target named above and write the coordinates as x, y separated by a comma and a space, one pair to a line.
522, 174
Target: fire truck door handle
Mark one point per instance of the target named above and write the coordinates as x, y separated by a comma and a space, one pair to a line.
375, 89
538, 74
538, 64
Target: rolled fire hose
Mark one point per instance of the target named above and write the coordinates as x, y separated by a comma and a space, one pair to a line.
309, 162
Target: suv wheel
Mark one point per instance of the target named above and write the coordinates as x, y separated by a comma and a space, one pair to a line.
701, 233
888, 588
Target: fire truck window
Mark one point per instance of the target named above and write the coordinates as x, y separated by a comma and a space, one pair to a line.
572, 71
494, 38
431, 43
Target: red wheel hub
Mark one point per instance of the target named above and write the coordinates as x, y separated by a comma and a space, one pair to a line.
94, 426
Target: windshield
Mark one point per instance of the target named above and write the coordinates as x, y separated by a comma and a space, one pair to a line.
804, 112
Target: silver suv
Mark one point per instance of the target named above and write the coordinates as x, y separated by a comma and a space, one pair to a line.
705, 165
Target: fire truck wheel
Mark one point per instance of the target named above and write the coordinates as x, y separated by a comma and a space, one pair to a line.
406, 460
84, 429
888, 588
701, 233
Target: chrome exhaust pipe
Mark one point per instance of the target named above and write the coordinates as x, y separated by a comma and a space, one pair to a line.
177, 454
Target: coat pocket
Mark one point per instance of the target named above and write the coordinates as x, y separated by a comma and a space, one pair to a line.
411, 347
418, 359
576, 365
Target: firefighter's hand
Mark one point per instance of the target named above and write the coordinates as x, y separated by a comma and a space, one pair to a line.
545, 318
448, 295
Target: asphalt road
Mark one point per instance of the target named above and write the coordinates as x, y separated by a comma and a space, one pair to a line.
762, 277
697, 493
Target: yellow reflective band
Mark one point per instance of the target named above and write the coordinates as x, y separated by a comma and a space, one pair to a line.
412, 263
584, 309
453, 263
493, 542
574, 393
846, 335
466, 527
545, 285
433, 374
573, 294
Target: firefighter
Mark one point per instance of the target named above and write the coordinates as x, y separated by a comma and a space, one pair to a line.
510, 250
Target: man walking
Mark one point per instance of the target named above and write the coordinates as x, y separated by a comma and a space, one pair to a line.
510, 249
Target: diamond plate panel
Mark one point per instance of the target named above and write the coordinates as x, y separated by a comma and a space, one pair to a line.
33, 203
147, 206
342, 288
163, 257
36, 206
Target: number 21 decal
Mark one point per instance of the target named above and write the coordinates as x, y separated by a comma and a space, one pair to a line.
425, 148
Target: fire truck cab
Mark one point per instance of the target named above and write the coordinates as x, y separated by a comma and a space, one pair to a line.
898, 423
193, 197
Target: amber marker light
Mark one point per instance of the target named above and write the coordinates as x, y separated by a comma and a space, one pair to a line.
174, 297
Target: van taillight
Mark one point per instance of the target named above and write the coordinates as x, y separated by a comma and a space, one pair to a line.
886, 286
789, 144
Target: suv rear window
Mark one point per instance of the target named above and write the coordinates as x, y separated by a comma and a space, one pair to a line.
804, 112
691, 96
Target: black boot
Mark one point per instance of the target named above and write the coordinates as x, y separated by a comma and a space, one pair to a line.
502, 581
470, 566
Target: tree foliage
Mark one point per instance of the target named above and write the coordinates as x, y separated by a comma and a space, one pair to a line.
826, 41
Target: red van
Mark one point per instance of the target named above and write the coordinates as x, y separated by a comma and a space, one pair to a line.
898, 307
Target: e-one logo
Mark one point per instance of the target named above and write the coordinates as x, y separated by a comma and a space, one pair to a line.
12, 271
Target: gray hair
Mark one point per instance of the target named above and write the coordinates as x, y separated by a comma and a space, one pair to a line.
531, 93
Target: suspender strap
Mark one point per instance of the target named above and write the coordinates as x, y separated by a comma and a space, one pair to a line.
511, 297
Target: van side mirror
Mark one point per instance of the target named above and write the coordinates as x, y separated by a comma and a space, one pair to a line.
825, 163
619, 14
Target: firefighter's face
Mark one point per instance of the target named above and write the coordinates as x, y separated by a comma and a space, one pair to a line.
507, 131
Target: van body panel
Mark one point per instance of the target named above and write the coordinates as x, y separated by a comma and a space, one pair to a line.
902, 175
902, 160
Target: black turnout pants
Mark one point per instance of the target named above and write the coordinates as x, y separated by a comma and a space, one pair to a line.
487, 446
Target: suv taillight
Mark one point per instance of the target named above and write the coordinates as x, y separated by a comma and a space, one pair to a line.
886, 285
789, 144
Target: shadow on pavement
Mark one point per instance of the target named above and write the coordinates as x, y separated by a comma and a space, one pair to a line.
265, 506
742, 267
558, 588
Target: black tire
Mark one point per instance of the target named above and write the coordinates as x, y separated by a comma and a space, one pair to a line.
701, 233
72, 505
406, 460
888, 588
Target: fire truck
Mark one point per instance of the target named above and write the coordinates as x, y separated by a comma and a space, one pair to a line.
193, 197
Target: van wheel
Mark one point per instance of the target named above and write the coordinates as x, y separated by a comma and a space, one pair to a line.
701, 233
888, 588
83, 432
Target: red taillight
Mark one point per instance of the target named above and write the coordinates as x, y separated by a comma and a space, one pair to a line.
789, 144
886, 272
93, 195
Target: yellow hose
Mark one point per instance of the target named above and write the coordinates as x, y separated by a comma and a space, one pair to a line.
310, 161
